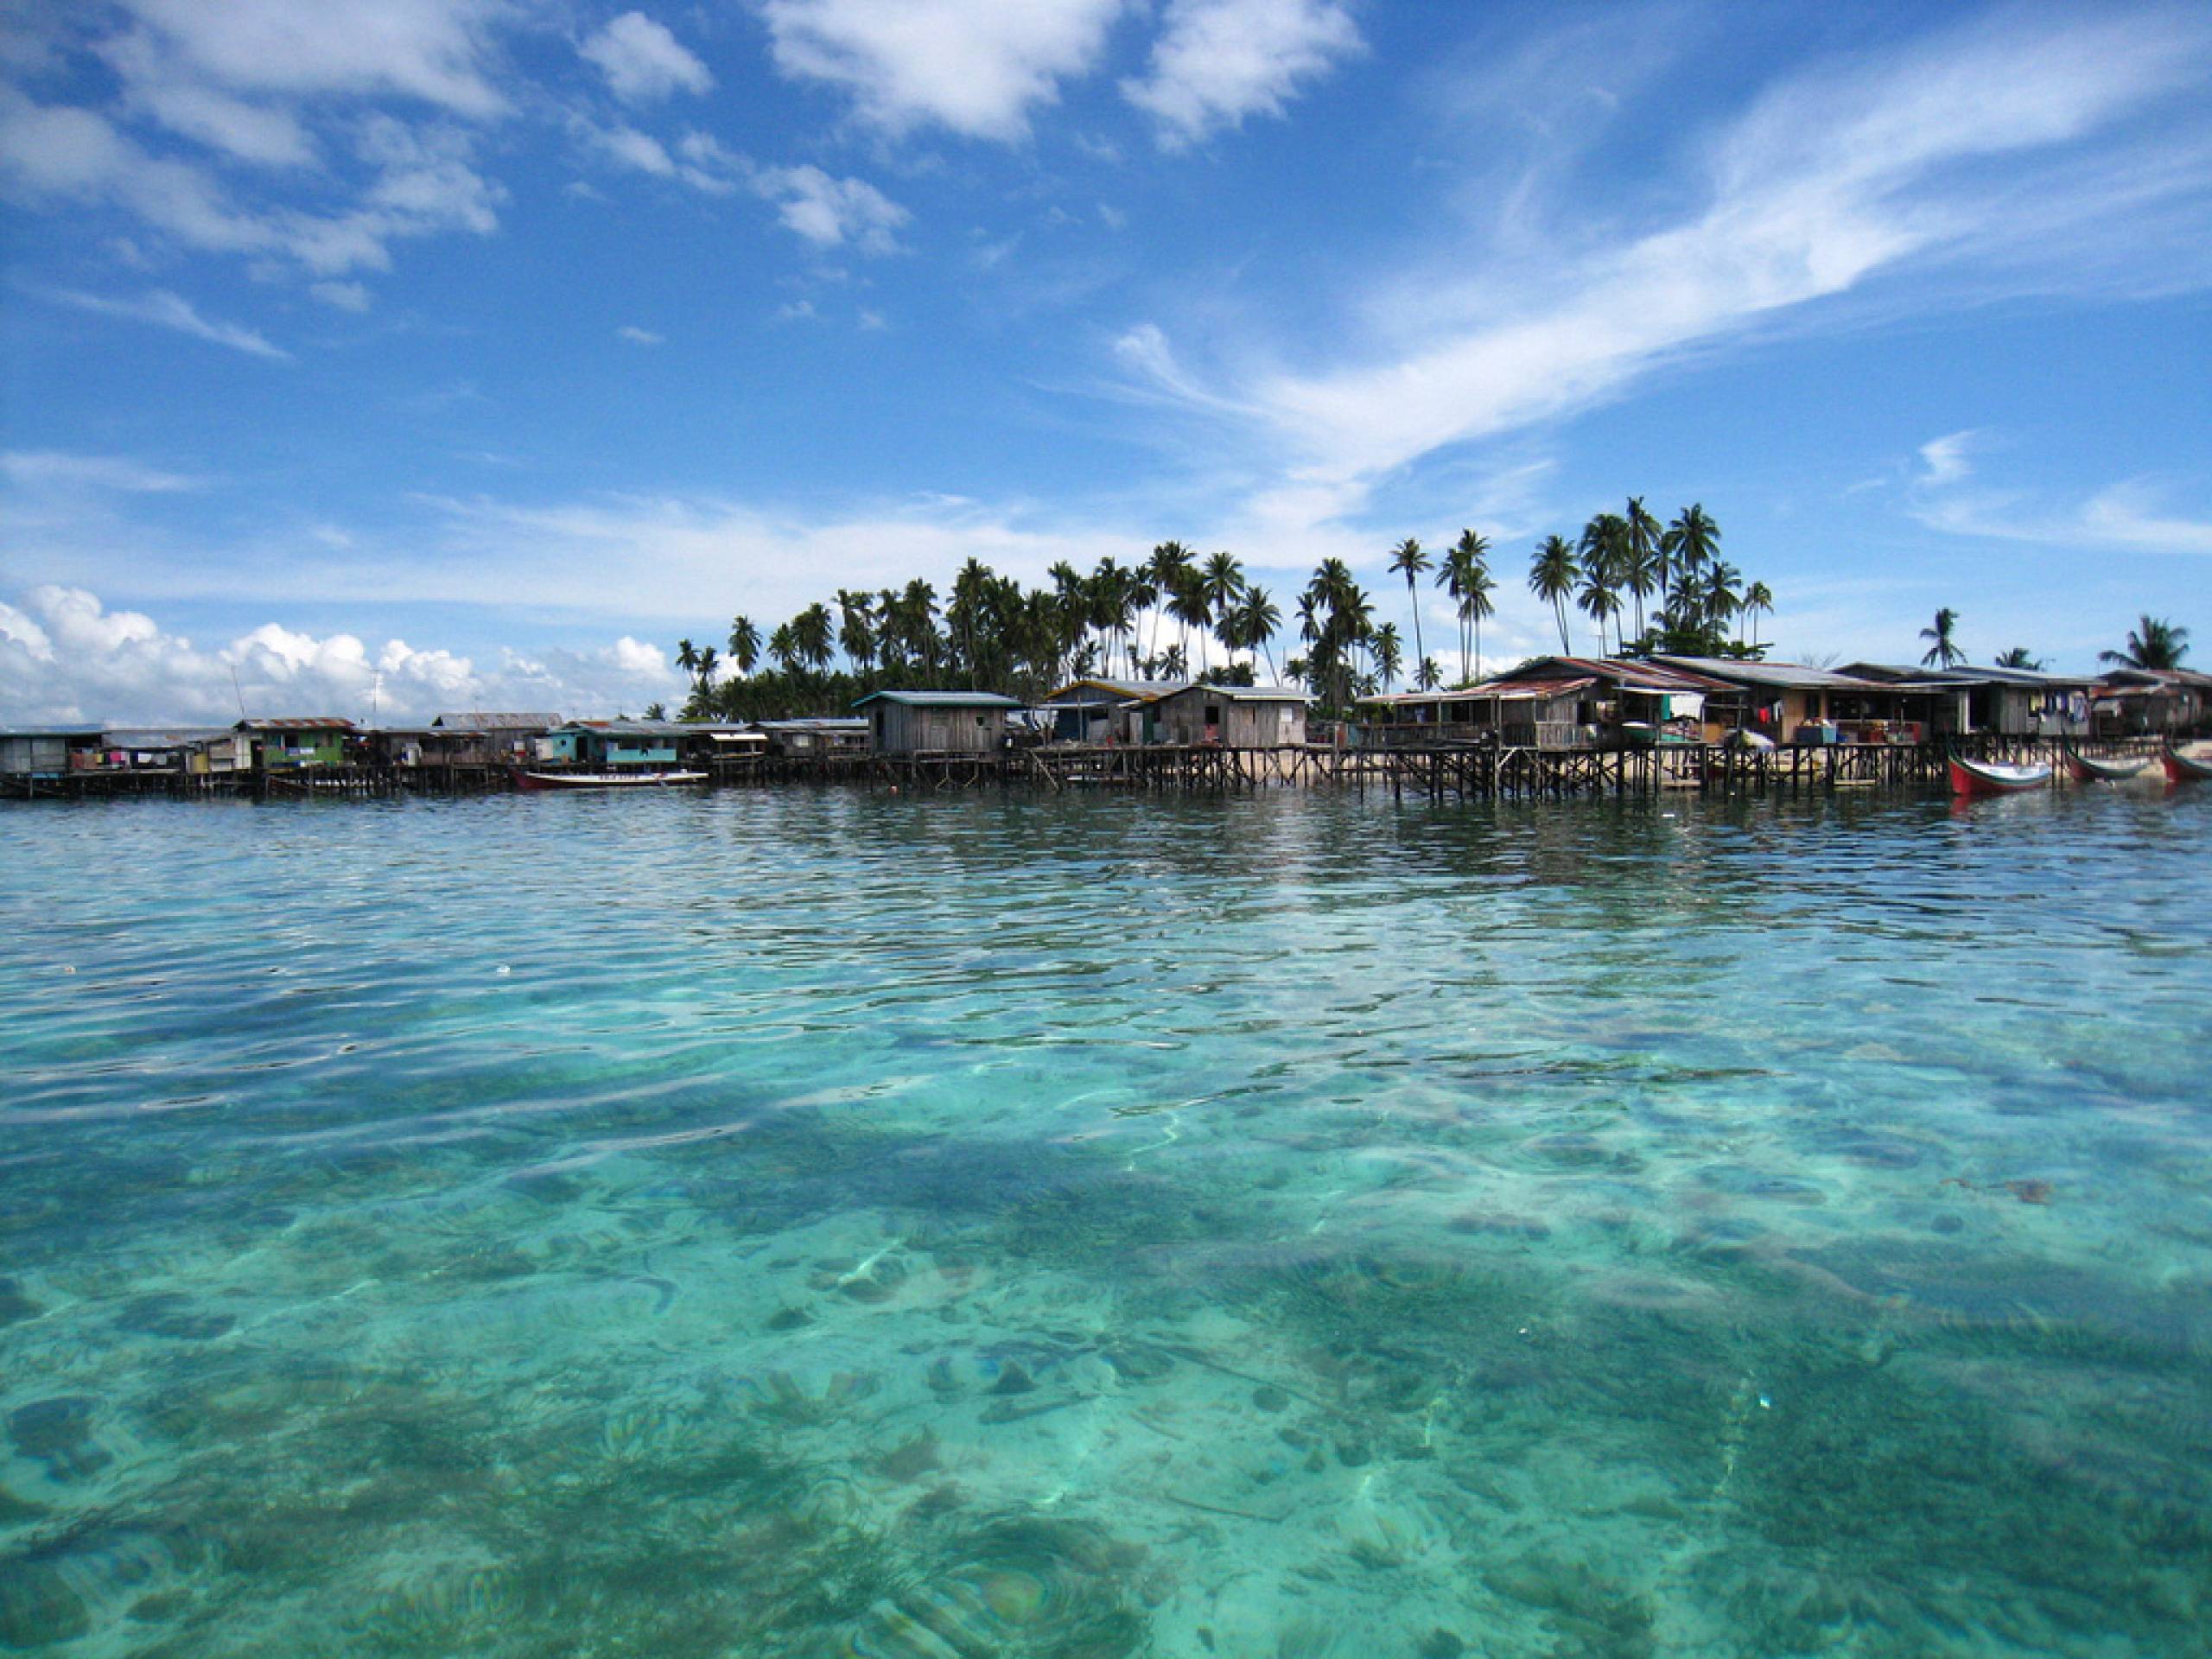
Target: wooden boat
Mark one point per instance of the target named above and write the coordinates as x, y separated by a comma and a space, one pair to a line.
536, 781
2086, 769
1970, 778
2187, 768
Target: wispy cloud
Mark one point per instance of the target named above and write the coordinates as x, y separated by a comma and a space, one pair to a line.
53, 469
638, 336
1218, 62
1848, 172
166, 310
410, 179
1944, 459
2131, 516
344, 297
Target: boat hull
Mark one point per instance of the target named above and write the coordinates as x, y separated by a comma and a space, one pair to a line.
2084, 770
532, 781
2186, 769
1971, 779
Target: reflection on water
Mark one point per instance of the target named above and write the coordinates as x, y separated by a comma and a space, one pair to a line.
812, 1224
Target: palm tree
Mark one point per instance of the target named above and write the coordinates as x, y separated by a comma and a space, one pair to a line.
1427, 677
2156, 644
1944, 652
1389, 657
703, 667
2019, 657
1224, 580
856, 629
813, 632
1476, 604
1757, 601
1604, 551
1466, 570
1407, 559
1721, 601
918, 616
1258, 621
1690, 540
686, 657
1190, 608
1158, 577
744, 643
783, 648
1644, 568
1552, 575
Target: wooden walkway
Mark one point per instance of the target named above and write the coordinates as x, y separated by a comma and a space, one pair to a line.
1466, 772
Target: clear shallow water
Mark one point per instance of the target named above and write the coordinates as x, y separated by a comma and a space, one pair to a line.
812, 1224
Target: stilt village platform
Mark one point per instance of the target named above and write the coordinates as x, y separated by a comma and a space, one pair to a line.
1470, 772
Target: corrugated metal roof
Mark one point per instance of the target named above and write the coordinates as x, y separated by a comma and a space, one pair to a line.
1490, 691
478, 722
49, 731
628, 727
1247, 693
1901, 676
2165, 676
160, 737
939, 700
2035, 679
829, 724
303, 723
1781, 677
1124, 690
1633, 672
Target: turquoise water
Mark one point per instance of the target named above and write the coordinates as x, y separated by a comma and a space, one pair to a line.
812, 1224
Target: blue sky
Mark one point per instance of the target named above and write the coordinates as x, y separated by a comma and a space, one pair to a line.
480, 349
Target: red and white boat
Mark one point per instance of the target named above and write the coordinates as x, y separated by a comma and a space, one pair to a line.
2187, 768
2086, 769
535, 780
1970, 778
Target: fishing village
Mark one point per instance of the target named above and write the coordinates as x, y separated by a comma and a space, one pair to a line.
1074, 686
1554, 725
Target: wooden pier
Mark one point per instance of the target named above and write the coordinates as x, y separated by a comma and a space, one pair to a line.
1437, 773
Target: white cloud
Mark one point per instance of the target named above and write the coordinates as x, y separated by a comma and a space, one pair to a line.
421, 181
1944, 459
344, 297
54, 469
643, 61
1218, 62
638, 336
167, 310
1847, 172
975, 66
830, 212
2128, 516
870, 323
156, 86
707, 166
65, 656
432, 50
629, 148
